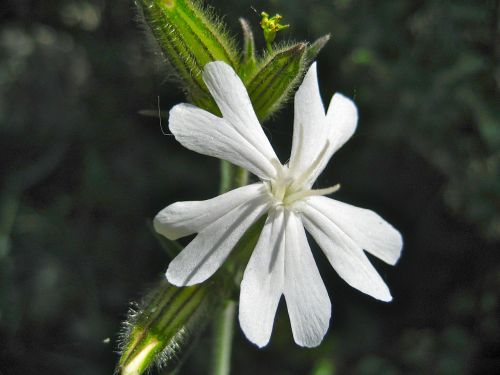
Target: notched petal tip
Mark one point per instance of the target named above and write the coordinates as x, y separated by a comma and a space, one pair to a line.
158, 225
388, 242
174, 279
161, 226
389, 299
384, 295
309, 82
398, 249
257, 341
164, 223
344, 106
310, 344
210, 66
183, 112
216, 69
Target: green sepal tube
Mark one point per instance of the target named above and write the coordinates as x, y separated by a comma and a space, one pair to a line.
275, 78
189, 37
162, 328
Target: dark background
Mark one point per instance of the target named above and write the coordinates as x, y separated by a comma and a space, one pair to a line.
82, 174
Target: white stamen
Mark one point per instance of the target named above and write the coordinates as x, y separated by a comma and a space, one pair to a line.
300, 143
307, 193
306, 174
278, 187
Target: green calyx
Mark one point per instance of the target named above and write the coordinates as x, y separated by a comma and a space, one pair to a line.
275, 77
160, 329
190, 35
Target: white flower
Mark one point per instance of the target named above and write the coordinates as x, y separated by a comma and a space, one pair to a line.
282, 262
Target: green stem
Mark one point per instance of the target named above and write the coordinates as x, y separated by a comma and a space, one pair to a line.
231, 177
223, 338
269, 47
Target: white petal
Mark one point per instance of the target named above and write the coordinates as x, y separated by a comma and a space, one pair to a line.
262, 284
367, 229
234, 103
307, 300
341, 121
340, 124
308, 124
205, 254
200, 131
345, 256
183, 218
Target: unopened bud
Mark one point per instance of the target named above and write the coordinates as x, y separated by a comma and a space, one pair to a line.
189, 37
275, 79
249, 60
161, 329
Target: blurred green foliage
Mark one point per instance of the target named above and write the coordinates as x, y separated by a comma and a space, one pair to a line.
82, 174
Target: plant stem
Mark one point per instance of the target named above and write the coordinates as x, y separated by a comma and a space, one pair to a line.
223, 329
223, 338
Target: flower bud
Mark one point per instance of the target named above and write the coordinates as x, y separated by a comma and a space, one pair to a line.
249, 60
275, 78
161, 329
189, 37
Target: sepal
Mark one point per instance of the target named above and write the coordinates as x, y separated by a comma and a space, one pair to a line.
315, 48
275, 78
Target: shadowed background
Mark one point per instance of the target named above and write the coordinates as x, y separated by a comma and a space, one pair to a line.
82, 174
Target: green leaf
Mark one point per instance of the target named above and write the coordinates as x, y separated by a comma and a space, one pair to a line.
189, 37
275, 78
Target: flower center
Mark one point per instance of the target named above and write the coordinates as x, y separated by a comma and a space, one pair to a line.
286, 189
289, 186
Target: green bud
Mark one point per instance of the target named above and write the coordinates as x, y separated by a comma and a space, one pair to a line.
275, 78
249, 59
189, 37
162, 328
